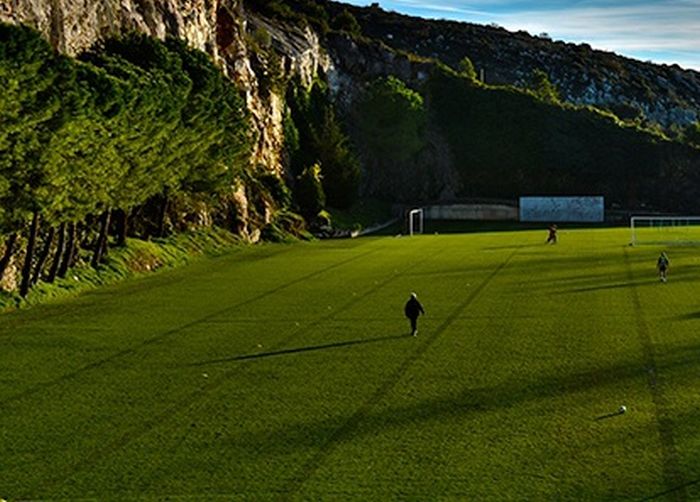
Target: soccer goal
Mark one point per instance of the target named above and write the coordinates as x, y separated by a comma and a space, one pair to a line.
665, 230
415, 221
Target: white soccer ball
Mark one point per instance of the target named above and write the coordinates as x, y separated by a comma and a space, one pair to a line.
623, 408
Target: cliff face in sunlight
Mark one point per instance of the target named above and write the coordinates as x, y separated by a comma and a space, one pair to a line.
74, 25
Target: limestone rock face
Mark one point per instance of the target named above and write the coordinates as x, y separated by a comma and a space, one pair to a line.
74, 25
300, 56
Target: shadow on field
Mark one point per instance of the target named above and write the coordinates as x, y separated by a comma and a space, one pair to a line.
609, 415
602, 287
673, 491
511, 246
260, 355
469, 226
691, 316
467, 403
620, 283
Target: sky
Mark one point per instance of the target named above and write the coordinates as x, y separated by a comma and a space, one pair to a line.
662, 31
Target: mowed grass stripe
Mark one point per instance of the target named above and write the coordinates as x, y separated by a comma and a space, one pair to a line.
345, 431
174, 331
675, 482
503, 410
187, 406
65, 391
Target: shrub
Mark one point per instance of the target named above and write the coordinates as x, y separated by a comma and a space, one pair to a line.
346, 22
392, 121
309, 193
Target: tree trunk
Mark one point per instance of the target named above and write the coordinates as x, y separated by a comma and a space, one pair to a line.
161, 216
121, 219
60, 247
43, 256
9, 250
101, 244
67, 260
27, 268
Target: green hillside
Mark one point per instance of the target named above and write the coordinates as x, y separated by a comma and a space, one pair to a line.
508, 143
286, 372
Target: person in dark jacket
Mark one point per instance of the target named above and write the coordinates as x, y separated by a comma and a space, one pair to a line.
662, 265
412, 310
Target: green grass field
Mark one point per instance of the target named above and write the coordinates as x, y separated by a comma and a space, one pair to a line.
285, 372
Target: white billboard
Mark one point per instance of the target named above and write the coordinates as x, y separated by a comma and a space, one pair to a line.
555, 209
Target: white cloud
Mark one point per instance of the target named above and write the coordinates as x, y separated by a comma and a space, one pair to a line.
667, 29
429, 9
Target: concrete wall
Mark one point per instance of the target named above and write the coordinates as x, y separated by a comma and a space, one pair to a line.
471, 212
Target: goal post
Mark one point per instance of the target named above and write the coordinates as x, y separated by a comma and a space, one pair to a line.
665, 230
415, 221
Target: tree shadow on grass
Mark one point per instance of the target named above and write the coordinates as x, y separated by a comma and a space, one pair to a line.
367, 420
282, 352
622, 284
512, 246
603, 287
674, 492
691, 316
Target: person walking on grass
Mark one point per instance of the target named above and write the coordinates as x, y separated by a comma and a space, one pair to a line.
552, 238
662, 265
412, 310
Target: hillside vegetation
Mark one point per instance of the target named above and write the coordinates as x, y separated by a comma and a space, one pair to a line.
508, 143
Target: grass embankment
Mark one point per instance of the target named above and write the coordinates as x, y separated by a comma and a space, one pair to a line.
287, 372
136, 258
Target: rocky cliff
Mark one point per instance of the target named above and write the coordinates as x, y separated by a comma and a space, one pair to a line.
74, 25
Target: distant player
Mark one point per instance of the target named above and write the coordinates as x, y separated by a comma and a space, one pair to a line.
412, 310
662, 265
552, 239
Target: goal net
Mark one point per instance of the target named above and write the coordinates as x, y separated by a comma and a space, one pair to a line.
667, 230
415, 221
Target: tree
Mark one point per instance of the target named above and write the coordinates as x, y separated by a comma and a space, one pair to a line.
318, 138
466, 69
392, 121
37, 85
135, 120
346, 22
309, 192
34, 81
216, 123
543, 87
145, 123
691, 134
340, 167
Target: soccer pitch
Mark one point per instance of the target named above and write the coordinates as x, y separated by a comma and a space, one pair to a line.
284, 372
